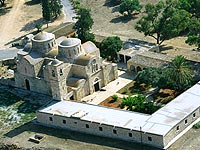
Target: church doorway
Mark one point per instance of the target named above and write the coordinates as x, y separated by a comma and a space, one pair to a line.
27, 84
96, 84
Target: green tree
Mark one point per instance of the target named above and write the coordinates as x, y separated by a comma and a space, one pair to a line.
179, 73
193, 7
152, 76
84, 24
129, 6
163, 20
194, 32
2, 2
110, 46
38, 27
51, 9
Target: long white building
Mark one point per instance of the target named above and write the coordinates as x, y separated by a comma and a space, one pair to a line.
160, 129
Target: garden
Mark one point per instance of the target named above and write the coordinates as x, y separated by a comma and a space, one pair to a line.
154, 87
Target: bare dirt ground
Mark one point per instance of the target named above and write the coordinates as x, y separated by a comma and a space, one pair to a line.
20, 20
109, 22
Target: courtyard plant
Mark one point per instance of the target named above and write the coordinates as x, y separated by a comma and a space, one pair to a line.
139, 104
114, 97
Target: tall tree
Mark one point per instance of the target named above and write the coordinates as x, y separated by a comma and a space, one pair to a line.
179, 73
129, 6
2, 2
51, 9
163, 20
110, 46
193, 7
194, 32
84, 24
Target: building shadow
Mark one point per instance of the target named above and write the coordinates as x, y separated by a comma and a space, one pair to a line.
32, 2
76, 136
140, 42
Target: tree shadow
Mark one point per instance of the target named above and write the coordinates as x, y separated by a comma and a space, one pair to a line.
165, 47
4, 10
115, 9
110, 3
31, 25
32, 2
123, 19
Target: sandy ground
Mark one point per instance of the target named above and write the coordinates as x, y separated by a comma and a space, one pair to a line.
21, 19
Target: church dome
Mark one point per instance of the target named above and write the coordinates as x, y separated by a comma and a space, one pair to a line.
70, 42
27, 47
43, 36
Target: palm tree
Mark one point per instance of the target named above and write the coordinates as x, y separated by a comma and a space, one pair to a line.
179, 73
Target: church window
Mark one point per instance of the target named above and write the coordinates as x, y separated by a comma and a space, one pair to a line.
61, 72
49, 45
53, 73
94, 67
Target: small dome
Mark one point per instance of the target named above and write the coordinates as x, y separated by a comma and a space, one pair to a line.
27, 47
43, 36
70, 42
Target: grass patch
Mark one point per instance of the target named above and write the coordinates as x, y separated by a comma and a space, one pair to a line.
197, 125
14, 111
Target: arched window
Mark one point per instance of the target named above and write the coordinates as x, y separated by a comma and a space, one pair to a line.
94, 67
61, 72
53, 73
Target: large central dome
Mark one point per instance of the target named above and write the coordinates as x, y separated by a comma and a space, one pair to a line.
43, 36
70, 42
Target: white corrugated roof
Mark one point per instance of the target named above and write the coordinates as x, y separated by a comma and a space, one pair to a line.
161, 122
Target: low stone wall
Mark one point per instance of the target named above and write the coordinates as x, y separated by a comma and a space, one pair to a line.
7, 81
7, 62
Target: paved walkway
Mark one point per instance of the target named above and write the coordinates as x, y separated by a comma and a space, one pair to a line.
110, 89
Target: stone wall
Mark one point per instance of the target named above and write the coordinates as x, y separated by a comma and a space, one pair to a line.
181, 126
104, 130
36, 84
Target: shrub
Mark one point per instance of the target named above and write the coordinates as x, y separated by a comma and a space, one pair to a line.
114, 97
197, 125
125, 91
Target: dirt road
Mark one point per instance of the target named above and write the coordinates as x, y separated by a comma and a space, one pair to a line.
8, 22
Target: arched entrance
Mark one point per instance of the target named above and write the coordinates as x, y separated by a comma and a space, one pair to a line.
96, 84
132, 68
138, 68
27, 84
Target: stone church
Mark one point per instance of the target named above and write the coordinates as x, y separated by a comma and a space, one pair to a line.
75, 72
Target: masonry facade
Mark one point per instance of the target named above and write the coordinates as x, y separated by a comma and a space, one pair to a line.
160, 129
76, 71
